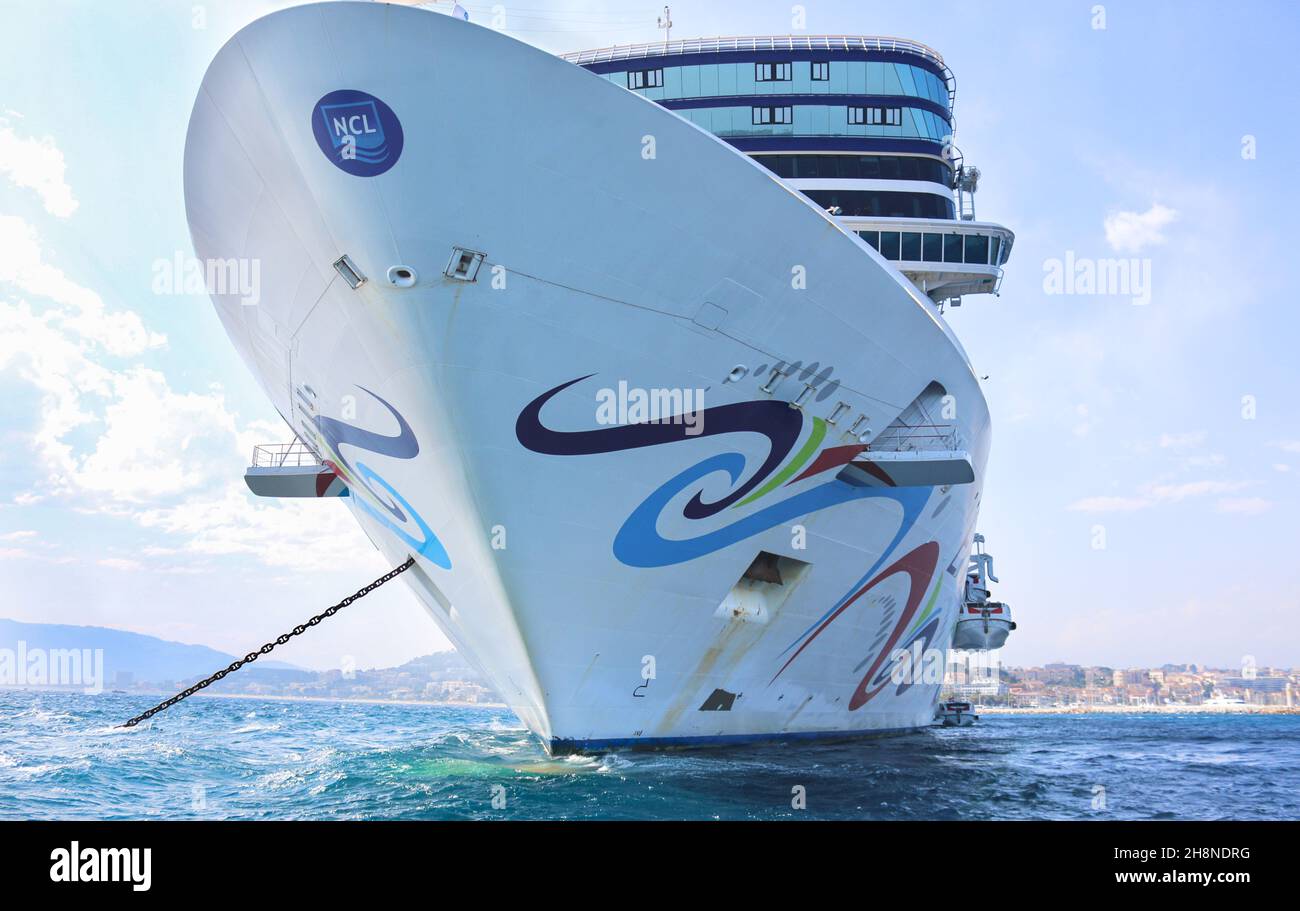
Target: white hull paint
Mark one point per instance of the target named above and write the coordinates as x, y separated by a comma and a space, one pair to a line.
665, 272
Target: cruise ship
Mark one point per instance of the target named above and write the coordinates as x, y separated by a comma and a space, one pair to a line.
640, 353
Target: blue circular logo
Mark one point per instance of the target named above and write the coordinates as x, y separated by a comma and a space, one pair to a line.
357, 131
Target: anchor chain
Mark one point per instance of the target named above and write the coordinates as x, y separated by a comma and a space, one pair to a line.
270, 646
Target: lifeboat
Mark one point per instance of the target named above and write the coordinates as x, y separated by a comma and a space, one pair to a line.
983, 623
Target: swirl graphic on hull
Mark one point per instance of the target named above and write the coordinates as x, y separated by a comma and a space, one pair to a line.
381, 499
638, 542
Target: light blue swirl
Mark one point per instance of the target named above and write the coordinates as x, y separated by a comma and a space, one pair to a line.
430, 547
638, 543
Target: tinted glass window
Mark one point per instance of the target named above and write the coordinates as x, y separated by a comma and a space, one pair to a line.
911, 246
952, 248
933, 248
871, 237
857, 167
889, 244
887, 204
977, 249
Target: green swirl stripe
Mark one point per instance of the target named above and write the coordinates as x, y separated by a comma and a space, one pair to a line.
814, 441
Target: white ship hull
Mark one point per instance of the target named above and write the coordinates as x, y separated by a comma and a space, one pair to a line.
567, 558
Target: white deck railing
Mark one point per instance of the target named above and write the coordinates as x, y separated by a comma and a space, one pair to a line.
928, 437
755, 43
284, 455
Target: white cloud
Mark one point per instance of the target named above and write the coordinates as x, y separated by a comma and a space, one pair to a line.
1154, 494
23, 265
120, 441
156, 442
1109, 504
304, 534
1289, 446
18, 535
1247, 506
148, 442
1188, 440
120, 563
168, 461
36, 164
1174, 493
1130, 232
1085, 424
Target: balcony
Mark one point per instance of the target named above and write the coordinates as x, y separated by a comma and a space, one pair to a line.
284, 455
291, 470
945, 259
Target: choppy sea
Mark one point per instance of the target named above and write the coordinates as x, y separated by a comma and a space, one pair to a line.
62, 757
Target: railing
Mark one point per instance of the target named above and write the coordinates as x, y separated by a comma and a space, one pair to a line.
757, 43
904, 438
284, 455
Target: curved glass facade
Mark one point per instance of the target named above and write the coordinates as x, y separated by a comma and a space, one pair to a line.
841, 77
917, 246
848, 125
816, 120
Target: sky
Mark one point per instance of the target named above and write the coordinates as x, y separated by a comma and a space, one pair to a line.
1141, 494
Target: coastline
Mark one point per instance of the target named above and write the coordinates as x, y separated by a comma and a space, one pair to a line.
1140, 710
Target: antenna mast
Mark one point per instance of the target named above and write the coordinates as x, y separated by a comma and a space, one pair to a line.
665, 22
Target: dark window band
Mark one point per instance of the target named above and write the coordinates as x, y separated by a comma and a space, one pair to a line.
915, 246
884, 203
857, 167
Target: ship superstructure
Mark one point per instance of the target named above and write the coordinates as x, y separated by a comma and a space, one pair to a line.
682, 456
863, 126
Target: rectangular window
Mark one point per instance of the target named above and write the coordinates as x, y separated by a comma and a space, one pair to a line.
933, 252
771, 72
952, 248
997, 242
889, 244
977, 249
873, 116
911, 247
645, 79
773, 115
821, 71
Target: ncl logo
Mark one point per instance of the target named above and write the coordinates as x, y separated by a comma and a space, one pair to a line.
357, 132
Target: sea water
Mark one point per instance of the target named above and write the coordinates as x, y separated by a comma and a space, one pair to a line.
63, 757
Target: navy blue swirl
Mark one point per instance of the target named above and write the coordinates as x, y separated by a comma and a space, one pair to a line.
777, 421
402, 446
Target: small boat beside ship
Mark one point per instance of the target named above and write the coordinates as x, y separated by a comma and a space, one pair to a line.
983, 623
956, 713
